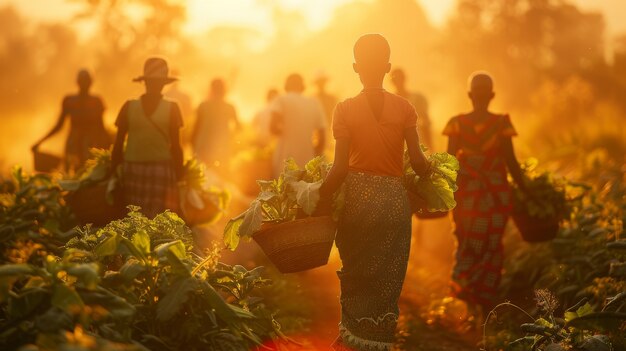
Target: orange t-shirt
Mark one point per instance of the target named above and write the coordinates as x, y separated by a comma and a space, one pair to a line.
376, 146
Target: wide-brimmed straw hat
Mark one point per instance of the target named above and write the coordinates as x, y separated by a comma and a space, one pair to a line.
155, 68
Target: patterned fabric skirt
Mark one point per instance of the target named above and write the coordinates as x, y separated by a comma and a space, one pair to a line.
151, 186
373, 238
480, 218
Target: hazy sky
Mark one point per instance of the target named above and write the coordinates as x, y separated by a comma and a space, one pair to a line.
206, 13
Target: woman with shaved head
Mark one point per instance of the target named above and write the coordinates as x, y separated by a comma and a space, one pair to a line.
482, 141
374, 231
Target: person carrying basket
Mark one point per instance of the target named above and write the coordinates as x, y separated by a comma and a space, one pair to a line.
482, 142
374, 230
152, 159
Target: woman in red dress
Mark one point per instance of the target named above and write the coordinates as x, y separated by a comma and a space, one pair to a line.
481, 140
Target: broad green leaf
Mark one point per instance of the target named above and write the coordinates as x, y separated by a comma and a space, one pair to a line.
231, 233
65, 297
134, 250
251, 220
177, 248
266, 185
437, 193
438, 188
131, 269
178, 266
291, 171
87, 273
266, 195
307, 195
222, 309
544, 322
69, 184
175, 298
34, 282
108, 246
18, 269
241, 313
599, 321
141, 240
570, 315
116, 306
315, 169
584, 310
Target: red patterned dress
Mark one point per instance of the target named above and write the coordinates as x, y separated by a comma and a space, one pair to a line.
483, 204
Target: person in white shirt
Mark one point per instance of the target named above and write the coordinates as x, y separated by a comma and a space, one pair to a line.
299, 123
262, 120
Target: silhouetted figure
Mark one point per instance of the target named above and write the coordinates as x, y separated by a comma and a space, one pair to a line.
398, 78
481, 140
296, 120
86, 125
152, 157
213, 132
328, 101
374, 230
183, 99
262, 120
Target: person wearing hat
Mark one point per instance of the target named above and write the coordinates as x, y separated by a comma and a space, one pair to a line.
152, 160
86, 125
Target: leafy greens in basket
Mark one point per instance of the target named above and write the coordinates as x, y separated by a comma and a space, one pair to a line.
293, 195
438, 187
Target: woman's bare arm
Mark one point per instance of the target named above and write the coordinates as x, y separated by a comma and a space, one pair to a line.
512, 164
418, 160
335, 177
57, 127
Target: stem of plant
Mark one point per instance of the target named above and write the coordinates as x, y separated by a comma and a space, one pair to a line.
493, 312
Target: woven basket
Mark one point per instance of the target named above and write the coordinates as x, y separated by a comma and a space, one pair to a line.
536, 230
417, 207
194, 216
90, 206
248, 172
45, 162
298, 245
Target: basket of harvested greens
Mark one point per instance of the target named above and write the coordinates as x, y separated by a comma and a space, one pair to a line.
538, 220
45, 162
298, 245
250, 165
93, 198
280, 221
200, 204
432, 196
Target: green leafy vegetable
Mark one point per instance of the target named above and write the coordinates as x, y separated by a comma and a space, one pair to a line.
294, 194
436, 189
